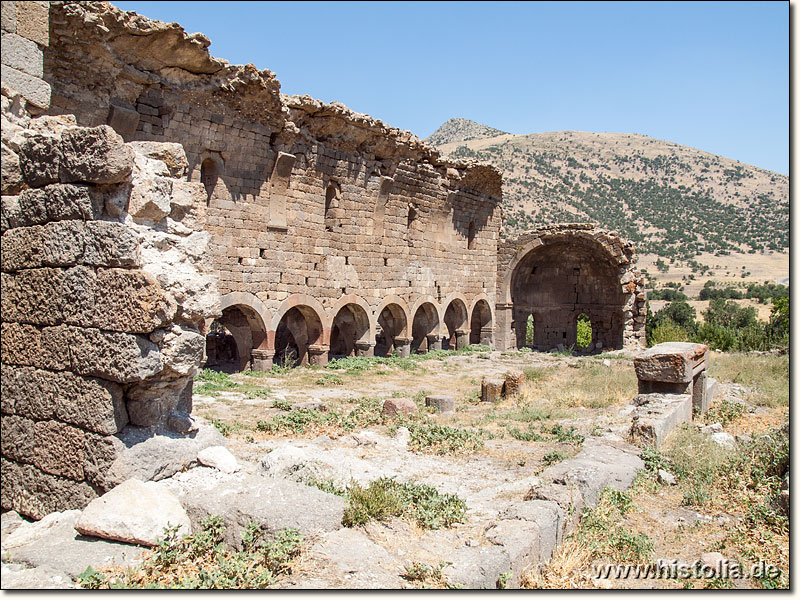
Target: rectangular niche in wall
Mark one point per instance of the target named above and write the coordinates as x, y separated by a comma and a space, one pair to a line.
278, 188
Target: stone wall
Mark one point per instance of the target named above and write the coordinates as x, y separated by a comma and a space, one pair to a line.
25, 33
560, 272
105, 294
310, 205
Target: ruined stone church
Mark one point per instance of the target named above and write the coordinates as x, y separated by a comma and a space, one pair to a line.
162, 208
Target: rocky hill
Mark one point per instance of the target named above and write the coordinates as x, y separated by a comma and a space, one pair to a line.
461, 130
673, 201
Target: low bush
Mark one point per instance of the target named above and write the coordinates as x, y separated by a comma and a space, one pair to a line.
203, 561
442, 439
385, 498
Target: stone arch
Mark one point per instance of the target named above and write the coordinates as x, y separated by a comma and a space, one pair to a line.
557, 277
425, 327
392, 323
455, 329
352, 331
240, 329
300, 336
481, 322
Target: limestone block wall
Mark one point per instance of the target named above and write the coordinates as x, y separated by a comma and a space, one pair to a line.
559, 272
310, 205
25, 31
106, 288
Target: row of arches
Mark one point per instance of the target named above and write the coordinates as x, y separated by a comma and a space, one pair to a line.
302, 332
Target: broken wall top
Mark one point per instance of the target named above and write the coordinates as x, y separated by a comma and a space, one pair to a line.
128, 47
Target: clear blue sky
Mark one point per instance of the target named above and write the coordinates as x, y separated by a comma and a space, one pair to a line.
714, 76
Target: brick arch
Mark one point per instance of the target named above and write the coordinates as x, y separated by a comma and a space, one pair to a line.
358, 301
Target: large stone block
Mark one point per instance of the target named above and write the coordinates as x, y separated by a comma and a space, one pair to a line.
59, 202
8, 21
63, 243
21, 344
131, 301
22, 54
101, 452
11, 182
21, 248
52, 347
123, 120
59, 449
33, 296
110, 244
33, 21
18, 442
94, 155
170, 153
34, 493
670, 362
94, 404
657, 415
78, 293
134, 512
39, 159
120, 357
36, 91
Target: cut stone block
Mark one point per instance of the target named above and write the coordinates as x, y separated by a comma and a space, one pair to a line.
491, 390
671, 362
657, 415
444, 404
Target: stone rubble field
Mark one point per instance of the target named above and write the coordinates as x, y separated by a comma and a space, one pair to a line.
521, 505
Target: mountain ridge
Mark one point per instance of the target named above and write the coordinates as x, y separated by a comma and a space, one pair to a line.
672, 200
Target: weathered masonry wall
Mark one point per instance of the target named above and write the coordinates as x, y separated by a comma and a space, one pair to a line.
105, 294
331, 232
557, 274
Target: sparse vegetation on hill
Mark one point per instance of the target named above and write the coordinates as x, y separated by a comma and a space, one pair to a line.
671, 200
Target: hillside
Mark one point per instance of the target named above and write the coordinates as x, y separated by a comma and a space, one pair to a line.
673, 201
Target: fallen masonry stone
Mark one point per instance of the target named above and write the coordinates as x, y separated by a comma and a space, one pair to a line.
347, 558
491, 390
669, 362
667, 477
443, 404
399, 406
726, 440
549, 519
240, 499
54, 543
601, 463
477, 568
654, 419
218, 457
713, 428
152, 457
520, 539
134, 512
21, 577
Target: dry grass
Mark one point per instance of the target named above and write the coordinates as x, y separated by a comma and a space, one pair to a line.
589, 384
766, 376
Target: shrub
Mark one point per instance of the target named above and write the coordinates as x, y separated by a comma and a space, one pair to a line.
442, 439
667, 331
385, 498
203, 561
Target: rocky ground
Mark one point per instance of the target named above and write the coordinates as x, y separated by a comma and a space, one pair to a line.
525, 466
